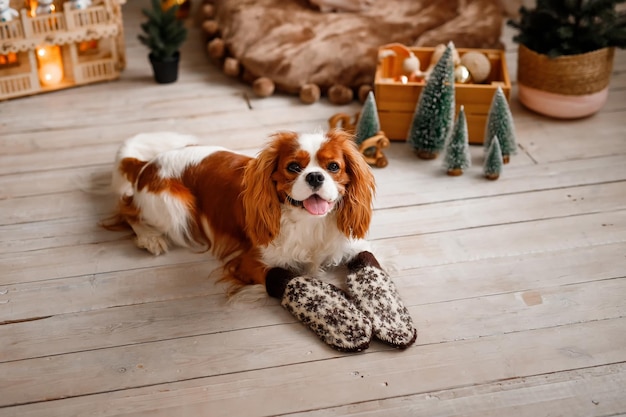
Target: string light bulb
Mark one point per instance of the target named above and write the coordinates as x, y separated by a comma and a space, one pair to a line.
50, 65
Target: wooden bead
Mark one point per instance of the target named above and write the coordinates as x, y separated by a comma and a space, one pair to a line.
216, 48
210, 27
364, 90
231, 67
263, 87
248, 77
208, 11
310, 93
340, 94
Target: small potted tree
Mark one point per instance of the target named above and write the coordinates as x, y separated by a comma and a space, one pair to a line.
565, 54
163, 34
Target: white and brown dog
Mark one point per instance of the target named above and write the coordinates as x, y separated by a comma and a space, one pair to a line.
303, 204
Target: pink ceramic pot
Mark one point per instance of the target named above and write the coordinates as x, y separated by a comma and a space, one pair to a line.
565, 87
562, 106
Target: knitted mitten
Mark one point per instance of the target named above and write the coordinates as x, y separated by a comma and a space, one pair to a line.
375, 294
323, 307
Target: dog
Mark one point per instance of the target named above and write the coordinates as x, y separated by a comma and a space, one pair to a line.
304, 203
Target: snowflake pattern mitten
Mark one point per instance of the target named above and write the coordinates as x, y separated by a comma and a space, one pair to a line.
323, 308
375, 294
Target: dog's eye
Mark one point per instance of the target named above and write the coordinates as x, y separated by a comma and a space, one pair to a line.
294, 167
333, 167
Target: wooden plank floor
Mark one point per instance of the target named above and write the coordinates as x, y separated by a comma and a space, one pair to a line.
518, 287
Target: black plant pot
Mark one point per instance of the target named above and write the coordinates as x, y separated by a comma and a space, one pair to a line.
165, 71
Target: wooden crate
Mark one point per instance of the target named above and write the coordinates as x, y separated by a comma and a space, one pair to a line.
396, 101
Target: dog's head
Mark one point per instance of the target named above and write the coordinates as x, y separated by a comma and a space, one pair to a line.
315, 174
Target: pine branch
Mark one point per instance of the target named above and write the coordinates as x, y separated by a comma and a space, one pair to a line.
163, 33
565, 27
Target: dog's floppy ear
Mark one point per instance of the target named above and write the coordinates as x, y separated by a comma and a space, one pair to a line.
355, 210
260, 200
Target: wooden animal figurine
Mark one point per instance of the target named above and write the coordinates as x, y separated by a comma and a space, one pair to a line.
371, 148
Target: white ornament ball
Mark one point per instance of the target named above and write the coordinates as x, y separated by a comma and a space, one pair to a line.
477, 64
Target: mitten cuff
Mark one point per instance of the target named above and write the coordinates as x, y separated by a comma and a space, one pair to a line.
276, 281
361, 260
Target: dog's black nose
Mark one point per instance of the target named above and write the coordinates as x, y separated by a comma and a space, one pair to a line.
315, 179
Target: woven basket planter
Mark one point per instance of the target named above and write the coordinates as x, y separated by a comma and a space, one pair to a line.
566, 87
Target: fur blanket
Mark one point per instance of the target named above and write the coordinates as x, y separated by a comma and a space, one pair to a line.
293, 43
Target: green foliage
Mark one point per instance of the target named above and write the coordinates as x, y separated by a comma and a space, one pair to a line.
492, 166
163, 32
434, 114
368, 124
457, 149
500, 123
568, 27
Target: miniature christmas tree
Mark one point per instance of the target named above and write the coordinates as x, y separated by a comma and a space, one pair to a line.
368, 124
434, 113
493, 160
162, 33
500, 124
457, 150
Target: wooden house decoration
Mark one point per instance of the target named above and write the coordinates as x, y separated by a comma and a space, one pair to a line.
49, 45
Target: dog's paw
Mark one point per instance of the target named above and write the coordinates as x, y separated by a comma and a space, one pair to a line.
156, 245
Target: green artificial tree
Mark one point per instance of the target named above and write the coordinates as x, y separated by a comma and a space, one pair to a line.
492, 166
434, 114
163, 32
500, 123
368, 124
569, 27
457, 156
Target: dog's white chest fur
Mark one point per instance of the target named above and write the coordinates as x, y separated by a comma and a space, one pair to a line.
310, 242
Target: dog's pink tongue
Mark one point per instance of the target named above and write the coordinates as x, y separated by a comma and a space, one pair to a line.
316, 205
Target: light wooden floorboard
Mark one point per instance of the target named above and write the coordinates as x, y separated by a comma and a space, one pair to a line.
585, 392
517, 287
338, 380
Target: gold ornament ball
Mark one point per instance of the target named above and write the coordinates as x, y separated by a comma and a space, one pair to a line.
477, 64
462, 75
